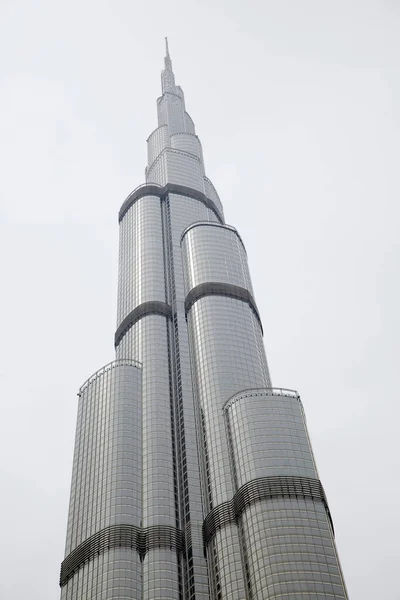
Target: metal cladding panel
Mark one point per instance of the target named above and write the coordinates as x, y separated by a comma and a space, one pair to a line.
113, 575
148, 341
171, 112
161, 575
289, 551
184, 486
268, 435
107, 477
141, 257
214, 253
175, 166
279, 503
182, 212
189, 125
186, 211
107, 467
224, 554
225, 359
156, 143
187, 142
212, 193
179, 92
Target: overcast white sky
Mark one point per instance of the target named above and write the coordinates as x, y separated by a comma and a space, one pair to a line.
297, 105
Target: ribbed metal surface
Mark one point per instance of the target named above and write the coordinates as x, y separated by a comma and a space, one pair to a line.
195, 429
120, 536
214, 288
213, 224
146, 308
161, 192
251, 393
115, 364
261, 489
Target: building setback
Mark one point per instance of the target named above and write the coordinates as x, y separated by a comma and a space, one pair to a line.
193, 478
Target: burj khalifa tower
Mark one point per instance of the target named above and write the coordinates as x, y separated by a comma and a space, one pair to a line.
193, 477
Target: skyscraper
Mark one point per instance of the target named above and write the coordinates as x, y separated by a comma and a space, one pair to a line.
193, 478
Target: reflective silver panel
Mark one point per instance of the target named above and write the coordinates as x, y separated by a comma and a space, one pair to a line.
107, 475
193, 479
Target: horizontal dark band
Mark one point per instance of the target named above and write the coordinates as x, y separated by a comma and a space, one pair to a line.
146, 308
214, 288
121, 536
261, 489
161, 192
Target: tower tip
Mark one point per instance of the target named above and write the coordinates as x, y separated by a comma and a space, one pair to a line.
168, 80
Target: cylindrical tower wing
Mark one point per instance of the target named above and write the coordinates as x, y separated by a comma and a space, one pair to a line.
267, 435
103, 538
227, 355
215, 254
141, 277
279, 503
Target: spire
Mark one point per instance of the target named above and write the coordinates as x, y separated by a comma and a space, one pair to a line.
167, 59
167, 77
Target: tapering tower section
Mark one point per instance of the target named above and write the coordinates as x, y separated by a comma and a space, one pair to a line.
193, 477
173, 149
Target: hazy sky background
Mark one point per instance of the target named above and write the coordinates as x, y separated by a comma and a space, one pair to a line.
297, 105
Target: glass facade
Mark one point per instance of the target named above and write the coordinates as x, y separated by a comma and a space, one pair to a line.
193, 478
